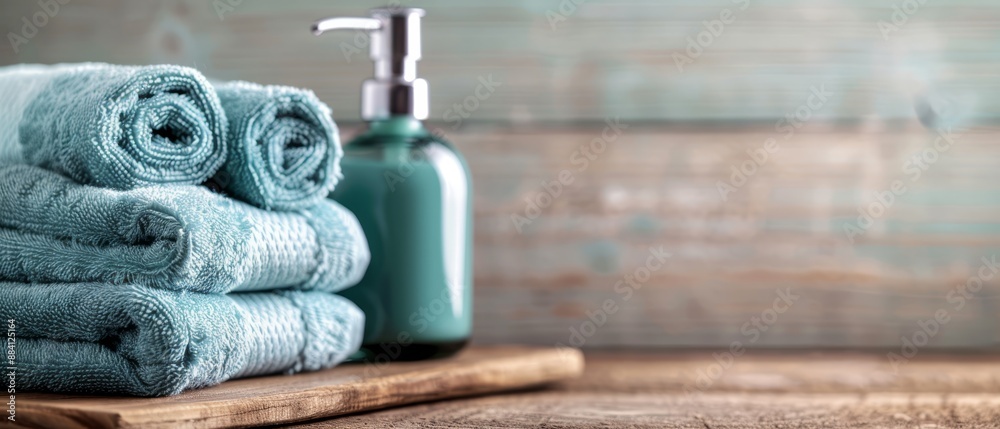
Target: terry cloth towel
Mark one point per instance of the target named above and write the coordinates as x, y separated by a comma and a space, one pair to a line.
175, 237
112, 126
284, 149
136, 340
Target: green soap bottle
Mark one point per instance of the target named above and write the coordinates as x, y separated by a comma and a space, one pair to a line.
412, 194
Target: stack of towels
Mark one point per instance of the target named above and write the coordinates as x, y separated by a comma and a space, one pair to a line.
159, 232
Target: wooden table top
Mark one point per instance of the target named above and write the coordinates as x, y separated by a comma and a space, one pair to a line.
758, 389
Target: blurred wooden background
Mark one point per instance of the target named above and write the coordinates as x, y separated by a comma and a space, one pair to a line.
657, 183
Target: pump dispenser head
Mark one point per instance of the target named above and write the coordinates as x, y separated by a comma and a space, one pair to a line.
395, 90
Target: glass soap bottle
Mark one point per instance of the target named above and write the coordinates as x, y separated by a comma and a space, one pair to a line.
411, 192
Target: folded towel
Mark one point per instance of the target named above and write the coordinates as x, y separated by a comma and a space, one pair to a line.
112, 126
135, 340
175, 237
284, 149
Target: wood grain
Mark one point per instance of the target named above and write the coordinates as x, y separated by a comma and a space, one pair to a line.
772, 371
285, 399
657, 186
606, 59
758, 390
554, 410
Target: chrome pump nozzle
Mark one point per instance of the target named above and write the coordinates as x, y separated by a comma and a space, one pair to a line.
395, 90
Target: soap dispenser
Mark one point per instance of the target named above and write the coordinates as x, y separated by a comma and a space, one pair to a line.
412, 193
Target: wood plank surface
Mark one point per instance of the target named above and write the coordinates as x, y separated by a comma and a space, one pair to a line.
552, 410
757, 390
656, 186
278, 400
603, 58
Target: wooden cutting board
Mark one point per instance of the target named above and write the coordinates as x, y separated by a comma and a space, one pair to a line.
275, 400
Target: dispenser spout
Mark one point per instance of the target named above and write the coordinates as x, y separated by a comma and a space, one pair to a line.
323, 25
395, 89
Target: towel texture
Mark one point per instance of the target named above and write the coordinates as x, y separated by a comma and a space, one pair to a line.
284, 150
175, 237
135, 340
112, 126
123, 275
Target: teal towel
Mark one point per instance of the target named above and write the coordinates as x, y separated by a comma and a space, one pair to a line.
112, 126
175, 237
135, 340
284, 149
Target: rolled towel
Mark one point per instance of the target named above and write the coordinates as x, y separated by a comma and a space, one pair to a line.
112, 126
284, 149
175, 237
136, 340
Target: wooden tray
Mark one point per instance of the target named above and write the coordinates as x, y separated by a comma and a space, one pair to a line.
276, 400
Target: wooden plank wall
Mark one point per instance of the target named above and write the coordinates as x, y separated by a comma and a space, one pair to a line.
657, 186
607, 58
656, 183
